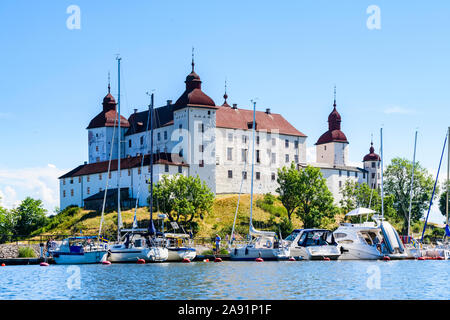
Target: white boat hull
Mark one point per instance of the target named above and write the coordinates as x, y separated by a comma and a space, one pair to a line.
314, 252
152, 254
250, 254
178, 254
360, 252
80, 258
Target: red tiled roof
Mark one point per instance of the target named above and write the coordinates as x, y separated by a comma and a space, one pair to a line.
227, 117
193, 95
126, 163
372, 156
107, 117
334, 133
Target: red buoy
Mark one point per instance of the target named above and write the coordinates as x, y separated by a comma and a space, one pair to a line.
205, 260
421, 258
3, 265
326, 259
106, 262
291, 259
259, 260
141, 261
186, 260
218, 260
44, 264
386, 258
440, 258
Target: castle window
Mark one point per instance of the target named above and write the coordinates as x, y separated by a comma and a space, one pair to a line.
79, 179
296, 144
180, 169
142, 140
64, 182
129, 143
244, 155
100, 176
286, 143
373, 175
96, 148
88, 190
139, 170
348, 173
340, 173
71, 181
244, 175
373, 164
273, 176
88, 178
325, 148
166, 168
159, 136
274, 158
340, 184
201, 127
296, 158
201, 164
109, 176
165, 135
257, 139
129, 172
230, 137
229, 154
230, 174
200, 148
71, 192
64, 193
244, 139
274, 141
258, 159
97, 159
286, 158
258, 175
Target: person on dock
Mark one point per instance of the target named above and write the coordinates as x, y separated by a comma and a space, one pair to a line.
217, 243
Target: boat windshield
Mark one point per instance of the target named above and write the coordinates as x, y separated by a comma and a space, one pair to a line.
292, 236
317, 238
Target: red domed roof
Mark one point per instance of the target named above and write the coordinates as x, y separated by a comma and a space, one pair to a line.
334, 133
372, 156
193, 95
108, 116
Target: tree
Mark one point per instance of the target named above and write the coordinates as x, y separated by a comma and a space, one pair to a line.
315, 201
398, 183
182, 198
6, 224
288, 179
442, 199
29, 216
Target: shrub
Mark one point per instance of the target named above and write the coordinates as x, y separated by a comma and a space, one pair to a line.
26, 252
207, 252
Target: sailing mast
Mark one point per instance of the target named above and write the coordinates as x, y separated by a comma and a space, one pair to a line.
412, 182
151, 227
119, 153
253, 165
382, 190
448, 176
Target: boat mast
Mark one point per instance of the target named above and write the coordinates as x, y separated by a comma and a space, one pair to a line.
412, 182
151, 227
382, 190
448, 175
253, 165
119, 154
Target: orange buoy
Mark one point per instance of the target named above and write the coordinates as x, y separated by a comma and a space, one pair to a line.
218, 260
259, 260
3, 265
291, 259
386, 258
106, 262
186, 260
141, 261
44, 264
326, 259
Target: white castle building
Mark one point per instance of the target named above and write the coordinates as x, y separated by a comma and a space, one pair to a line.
194, 136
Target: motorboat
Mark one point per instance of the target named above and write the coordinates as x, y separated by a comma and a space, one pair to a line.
79, 250
265, 246
179, 247
312, 244
370, 240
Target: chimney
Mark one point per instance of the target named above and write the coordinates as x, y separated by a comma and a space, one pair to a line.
135, 110
169, 102
234, 105
85, 162
268, 110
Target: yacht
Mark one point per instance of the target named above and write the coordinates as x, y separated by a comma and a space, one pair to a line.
179, 247
312, 244
79, 250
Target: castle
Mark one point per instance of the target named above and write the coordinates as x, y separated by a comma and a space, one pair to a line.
194, 136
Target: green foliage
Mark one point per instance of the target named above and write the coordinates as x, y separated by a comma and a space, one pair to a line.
207, 252
398, 184
442, 199
182, 198
26, 252
63, 218
438, 233
29, 216
6, 224
315, 201
223, 251
289, 179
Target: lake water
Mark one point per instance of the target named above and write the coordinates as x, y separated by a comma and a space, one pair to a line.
408, 279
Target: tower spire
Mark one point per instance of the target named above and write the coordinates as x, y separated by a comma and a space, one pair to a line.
334, 104
109, 82
193, 59
225, 96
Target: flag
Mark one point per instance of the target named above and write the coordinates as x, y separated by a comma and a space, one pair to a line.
103, 240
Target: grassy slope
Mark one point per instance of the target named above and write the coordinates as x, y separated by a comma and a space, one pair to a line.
220, 220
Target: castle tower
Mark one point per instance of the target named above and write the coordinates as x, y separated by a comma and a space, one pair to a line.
332, 146
372, 165
101, 129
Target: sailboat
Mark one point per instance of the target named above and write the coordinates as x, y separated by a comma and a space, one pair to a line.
135, 243
262, 244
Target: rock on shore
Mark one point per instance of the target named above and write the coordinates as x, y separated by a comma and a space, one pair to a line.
11, 250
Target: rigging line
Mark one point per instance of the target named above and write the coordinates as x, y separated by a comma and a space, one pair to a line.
140, 180
239, 197
107, 178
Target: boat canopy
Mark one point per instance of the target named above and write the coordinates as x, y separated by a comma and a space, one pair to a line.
176, 235
360, 211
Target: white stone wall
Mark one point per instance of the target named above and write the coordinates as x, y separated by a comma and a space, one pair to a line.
99, 143
333, 153
374, 173
336, 179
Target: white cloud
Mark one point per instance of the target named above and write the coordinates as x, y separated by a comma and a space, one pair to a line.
37, 182
397, 110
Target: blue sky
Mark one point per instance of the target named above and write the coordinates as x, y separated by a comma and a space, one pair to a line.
289, 54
